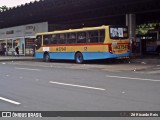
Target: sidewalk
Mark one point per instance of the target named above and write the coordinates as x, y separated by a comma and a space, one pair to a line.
13, 58
142, 60
30, 58
146, 61
149, 59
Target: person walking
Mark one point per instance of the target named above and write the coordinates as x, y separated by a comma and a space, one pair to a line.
17, 51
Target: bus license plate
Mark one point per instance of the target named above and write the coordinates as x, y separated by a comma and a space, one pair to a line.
122, 47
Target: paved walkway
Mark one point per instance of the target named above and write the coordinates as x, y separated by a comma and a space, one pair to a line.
133, 60
146, 61
13, 58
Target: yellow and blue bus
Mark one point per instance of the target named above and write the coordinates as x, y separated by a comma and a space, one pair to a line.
91, 43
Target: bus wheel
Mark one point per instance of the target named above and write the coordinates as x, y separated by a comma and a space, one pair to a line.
46, 58
79, 58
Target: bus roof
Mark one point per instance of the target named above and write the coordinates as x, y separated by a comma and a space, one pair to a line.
73, 30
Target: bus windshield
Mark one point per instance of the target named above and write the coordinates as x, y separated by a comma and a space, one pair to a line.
119, 32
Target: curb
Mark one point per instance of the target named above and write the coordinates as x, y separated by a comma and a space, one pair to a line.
146, 61
141, 61
17, 59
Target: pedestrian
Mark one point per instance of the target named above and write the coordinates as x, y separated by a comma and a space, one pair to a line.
1, 50
17, 50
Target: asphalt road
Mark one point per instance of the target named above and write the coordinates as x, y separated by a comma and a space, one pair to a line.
38, 86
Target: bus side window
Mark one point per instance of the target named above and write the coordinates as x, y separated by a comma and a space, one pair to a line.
47, 39
101, 35
92, 36
53, 39
71, 38
62, 39
81, 37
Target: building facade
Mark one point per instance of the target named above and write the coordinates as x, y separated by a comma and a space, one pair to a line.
21, 36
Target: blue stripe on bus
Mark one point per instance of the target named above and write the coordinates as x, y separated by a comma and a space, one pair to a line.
86, 55
102, 55
39, 55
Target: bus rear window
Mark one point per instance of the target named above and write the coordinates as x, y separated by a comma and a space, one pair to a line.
118, 32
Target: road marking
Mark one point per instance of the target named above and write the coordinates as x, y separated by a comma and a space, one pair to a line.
133, 78
10, 101
77, 85
28, 69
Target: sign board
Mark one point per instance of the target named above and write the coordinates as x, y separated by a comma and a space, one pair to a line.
22, 31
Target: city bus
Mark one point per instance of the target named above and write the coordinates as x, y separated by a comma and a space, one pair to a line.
90, 43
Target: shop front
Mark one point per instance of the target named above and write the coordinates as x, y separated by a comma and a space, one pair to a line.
22, 37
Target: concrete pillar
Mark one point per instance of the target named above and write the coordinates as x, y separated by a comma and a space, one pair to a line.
131, 23
127, 19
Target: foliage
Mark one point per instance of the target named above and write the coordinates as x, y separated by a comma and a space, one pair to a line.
3, 8
144, 28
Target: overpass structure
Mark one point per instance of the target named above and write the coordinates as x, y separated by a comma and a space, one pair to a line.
75, 12
66, 14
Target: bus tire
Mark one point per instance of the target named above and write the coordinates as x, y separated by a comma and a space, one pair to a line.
46, 57
79, 58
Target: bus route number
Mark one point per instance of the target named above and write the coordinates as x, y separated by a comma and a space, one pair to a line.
61, 49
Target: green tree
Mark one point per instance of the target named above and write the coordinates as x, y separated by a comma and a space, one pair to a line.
144, 28
3, 8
